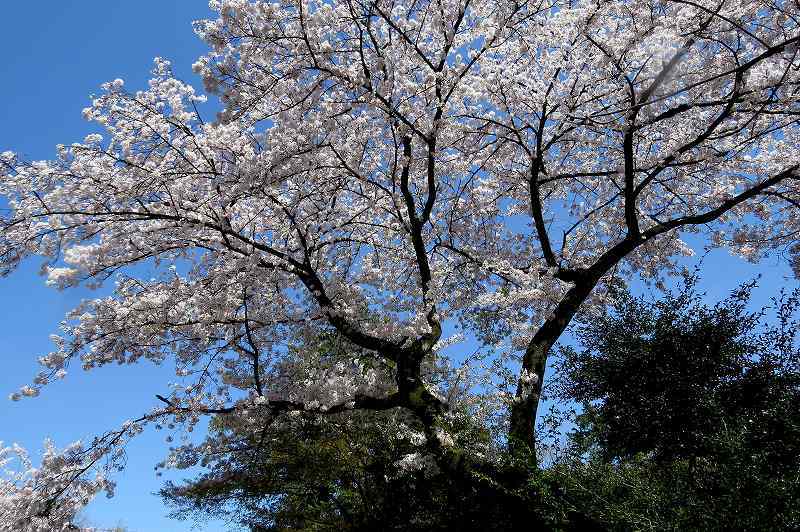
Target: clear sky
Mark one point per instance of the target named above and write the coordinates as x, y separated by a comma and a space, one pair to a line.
56, 54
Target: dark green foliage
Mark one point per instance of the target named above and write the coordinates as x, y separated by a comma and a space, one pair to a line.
660, 378
340, 472
309, 474
691, 415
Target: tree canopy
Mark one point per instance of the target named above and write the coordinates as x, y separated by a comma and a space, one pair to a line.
690, 415
406, 175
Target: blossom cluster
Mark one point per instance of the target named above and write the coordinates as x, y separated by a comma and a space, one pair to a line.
47, 497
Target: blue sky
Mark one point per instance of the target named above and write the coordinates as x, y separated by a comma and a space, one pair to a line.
57, 53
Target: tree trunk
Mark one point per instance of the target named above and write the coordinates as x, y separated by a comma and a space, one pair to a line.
529, 388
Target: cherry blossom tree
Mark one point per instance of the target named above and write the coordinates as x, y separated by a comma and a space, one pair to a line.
49, 497
406, 175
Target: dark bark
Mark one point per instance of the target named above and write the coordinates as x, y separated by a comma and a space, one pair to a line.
523, 412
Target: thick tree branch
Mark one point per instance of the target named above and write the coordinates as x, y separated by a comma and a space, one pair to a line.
524, 409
